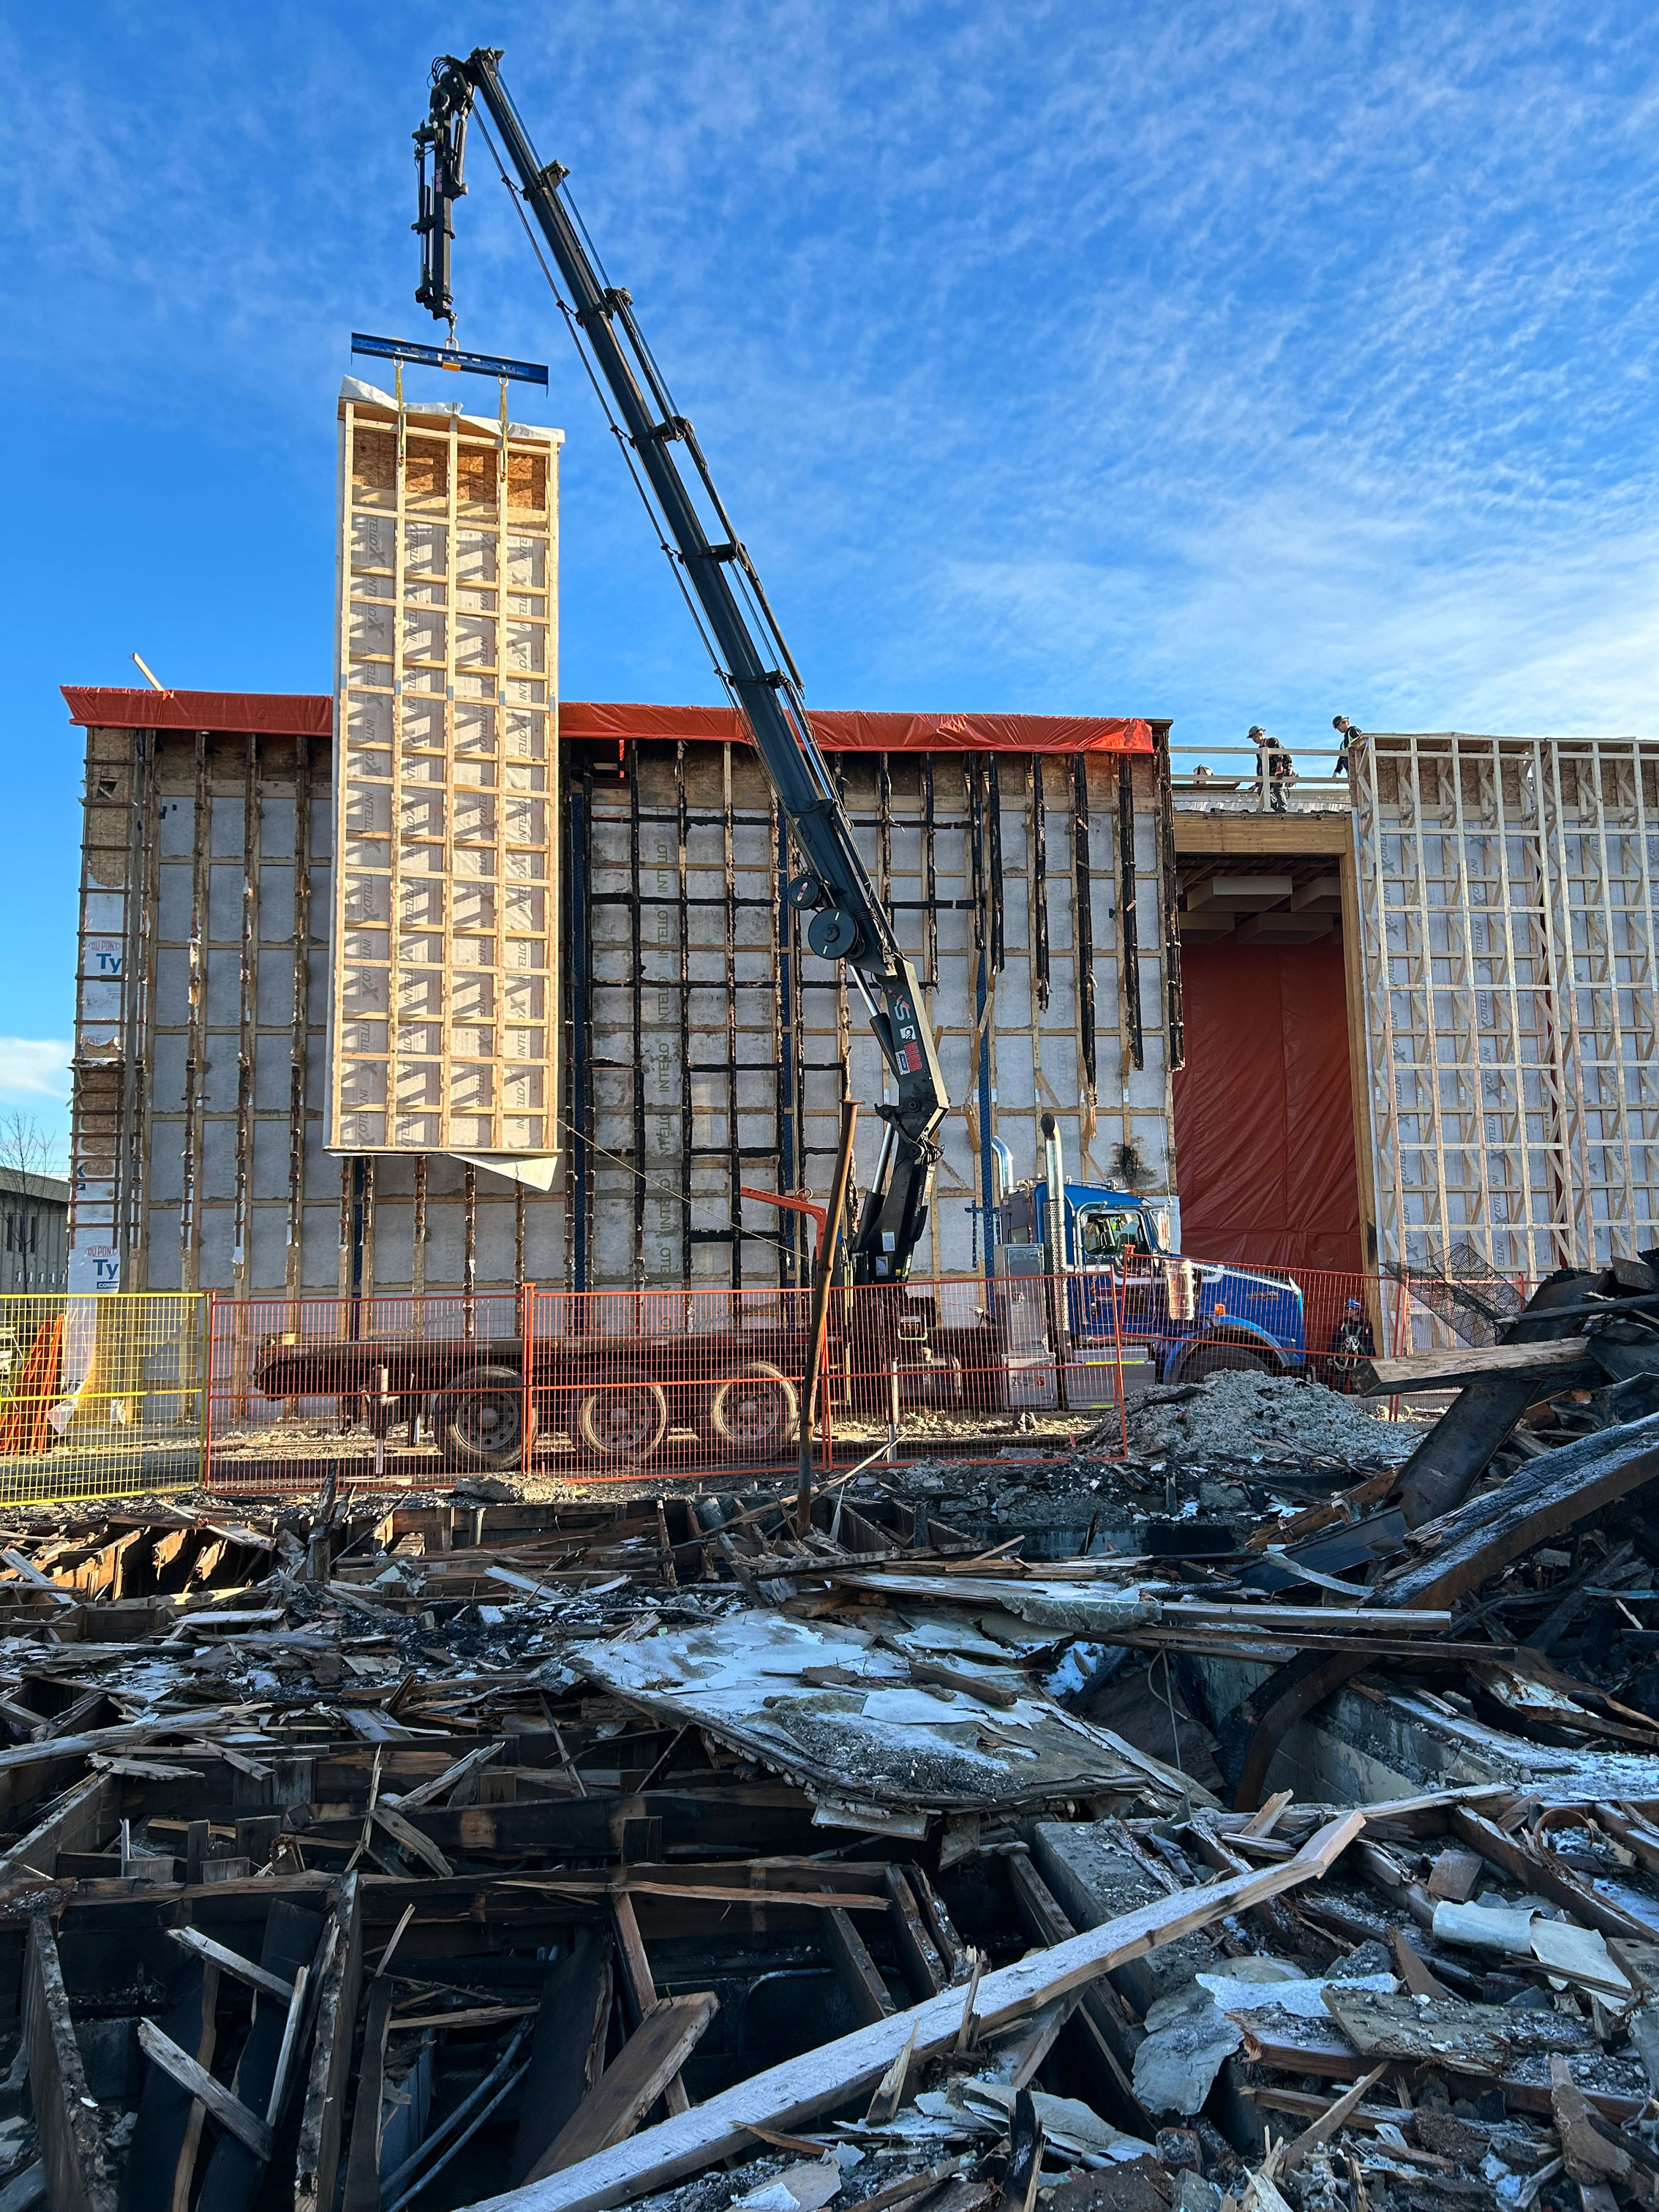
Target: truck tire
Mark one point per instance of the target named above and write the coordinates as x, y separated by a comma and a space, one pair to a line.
1223, 1359
753, 1415
477, 1418
622, 1418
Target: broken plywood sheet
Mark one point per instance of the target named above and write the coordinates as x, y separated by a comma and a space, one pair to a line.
1476, 2039
883, 1742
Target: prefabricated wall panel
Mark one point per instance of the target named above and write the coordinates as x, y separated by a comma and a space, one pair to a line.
444, 1017
705, 1049
1507, 904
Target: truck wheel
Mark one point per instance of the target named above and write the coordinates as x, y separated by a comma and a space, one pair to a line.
479, 1417
753, 1415
622, 1418
1222, 1360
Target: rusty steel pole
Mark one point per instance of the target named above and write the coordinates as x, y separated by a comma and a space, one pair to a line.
828, 1242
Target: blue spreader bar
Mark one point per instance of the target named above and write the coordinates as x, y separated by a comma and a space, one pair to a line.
431, 357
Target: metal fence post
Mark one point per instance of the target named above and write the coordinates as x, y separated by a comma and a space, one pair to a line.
1117, 1360
815, 1361
527, 1357
208, 1297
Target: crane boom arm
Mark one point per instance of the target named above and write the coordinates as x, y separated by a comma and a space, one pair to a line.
848, 921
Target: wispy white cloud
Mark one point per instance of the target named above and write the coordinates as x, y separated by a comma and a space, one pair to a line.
1230, 364
33, 1069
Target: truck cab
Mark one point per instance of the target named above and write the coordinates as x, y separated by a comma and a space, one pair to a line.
1186, 1318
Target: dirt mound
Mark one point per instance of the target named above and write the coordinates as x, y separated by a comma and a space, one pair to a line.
1237, 1420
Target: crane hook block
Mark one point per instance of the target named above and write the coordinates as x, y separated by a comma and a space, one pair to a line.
832, 934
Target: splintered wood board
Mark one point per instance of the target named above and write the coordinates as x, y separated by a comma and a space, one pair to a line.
443, 1029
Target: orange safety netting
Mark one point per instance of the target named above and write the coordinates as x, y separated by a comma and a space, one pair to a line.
24, 1426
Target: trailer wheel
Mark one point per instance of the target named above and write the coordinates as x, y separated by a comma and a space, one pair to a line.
622, 1418
753, 1415
1222, 1360
478, 1420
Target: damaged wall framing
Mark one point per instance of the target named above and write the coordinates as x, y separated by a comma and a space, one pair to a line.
699, 1041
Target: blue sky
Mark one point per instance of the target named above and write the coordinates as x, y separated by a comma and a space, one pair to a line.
1236, 365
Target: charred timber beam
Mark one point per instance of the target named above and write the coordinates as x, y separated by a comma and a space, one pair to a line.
821, 2080
1478, 1540
78, 2177
1446, 1466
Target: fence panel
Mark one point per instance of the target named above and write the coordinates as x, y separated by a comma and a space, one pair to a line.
593, 1387
120, 1394
101, 1395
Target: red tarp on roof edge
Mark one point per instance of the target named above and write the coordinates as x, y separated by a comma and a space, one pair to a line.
841, 730
602, 721
273, 714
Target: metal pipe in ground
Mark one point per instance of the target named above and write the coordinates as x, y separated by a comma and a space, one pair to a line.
829, 1245
1054, 1170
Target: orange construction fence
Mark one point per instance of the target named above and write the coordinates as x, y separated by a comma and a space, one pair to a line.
592, 1386
409, 1391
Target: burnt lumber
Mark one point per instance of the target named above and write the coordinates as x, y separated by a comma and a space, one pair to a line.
71, 2139
641, 2070
566, 2051
1458, 1451
245, 2126
1557, 1366
1463, 1549
797, 2090
334, 1979
362, 2173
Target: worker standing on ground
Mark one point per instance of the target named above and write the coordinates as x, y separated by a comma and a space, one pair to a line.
1274, 769
1351, 1345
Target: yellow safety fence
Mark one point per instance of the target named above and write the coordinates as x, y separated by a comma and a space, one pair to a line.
100, 1395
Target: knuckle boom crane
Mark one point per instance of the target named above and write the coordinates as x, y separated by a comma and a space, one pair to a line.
848, 921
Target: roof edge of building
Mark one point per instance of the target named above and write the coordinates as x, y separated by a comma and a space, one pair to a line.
603, 721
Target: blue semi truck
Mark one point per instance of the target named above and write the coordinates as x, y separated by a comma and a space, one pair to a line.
1081, 1289
1187, 1317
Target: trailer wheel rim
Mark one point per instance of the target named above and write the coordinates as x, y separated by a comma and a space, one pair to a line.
624, 1419
753, 1415
488, 1421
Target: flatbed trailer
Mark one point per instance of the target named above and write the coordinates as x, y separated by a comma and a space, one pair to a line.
617, 1400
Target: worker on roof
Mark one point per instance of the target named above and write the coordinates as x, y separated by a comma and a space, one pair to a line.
1274, 769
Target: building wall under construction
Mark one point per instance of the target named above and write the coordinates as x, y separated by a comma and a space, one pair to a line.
704, 1049
1510, 904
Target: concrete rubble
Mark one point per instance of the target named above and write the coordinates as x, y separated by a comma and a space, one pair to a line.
1191, 1832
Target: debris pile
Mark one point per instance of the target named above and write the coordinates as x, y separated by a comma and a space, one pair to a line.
1236, 1423
667, 1852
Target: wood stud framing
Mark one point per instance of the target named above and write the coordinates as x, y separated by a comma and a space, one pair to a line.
695, 1026
1508, 895
193, 1025
718, 1053
116, 941
443, 1023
